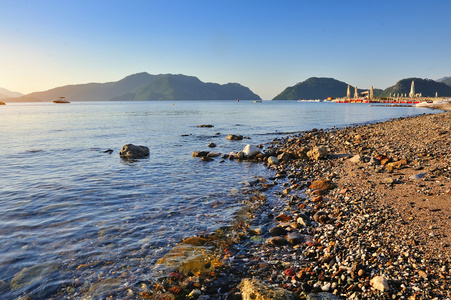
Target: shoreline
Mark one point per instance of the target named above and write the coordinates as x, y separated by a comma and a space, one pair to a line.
376, 223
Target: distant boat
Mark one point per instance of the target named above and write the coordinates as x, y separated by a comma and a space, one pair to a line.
257, 101
311, 100
431, 103
61, 100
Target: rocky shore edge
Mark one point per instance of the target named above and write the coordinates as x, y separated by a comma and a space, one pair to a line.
369, 218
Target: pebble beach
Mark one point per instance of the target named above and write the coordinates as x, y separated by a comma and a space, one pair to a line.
364, 213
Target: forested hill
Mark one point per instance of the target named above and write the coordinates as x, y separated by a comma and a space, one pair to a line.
427, 88
316, 88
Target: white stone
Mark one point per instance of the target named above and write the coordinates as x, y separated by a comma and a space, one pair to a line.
380, 283
301, 222
326, 287
251, 150
355, 158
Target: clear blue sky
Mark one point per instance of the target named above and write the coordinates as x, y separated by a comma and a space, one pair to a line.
264, 45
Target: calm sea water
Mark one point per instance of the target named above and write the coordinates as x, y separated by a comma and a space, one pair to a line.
72, 216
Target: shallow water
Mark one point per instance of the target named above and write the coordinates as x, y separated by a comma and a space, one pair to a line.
72, 214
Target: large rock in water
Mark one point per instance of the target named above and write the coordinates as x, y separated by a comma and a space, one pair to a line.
250, 150
234, 137
134, 151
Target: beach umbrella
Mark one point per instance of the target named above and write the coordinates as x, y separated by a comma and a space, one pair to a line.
412, 90
371, 92
356, 93
348, 95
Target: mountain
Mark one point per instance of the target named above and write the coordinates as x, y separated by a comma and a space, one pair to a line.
427, 88
144, 86
446, 80
182, 87
443, 78
316, 88
4, 93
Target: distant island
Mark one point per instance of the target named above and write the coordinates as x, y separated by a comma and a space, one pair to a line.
144, 87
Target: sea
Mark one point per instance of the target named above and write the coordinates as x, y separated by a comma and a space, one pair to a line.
79, 222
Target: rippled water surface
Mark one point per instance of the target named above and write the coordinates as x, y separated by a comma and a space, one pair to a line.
72, 215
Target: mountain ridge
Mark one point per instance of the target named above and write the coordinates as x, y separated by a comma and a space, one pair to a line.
5, 93
144, 86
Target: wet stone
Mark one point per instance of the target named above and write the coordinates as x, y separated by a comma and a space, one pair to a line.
295, 238
277, 231
277, 241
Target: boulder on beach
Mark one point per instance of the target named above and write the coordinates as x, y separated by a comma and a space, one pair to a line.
318, 153
322, 184
131, 151
251, 150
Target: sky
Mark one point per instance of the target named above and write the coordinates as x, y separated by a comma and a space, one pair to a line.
265, 45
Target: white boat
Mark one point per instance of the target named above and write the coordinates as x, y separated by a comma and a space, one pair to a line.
424, 104
432, 103
61, 100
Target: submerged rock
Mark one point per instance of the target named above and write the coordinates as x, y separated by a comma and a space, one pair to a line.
253, 289
134, 151
193, 256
